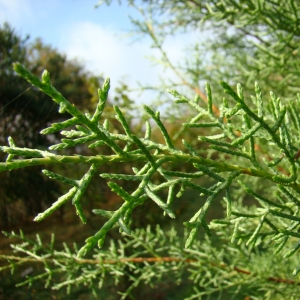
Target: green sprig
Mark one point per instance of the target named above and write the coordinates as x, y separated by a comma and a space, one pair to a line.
238, 127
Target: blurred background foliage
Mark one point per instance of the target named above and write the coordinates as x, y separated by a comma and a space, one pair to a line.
243, 41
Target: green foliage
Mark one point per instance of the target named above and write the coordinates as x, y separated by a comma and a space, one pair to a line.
239, 41
151, 257
236, 135
235, 148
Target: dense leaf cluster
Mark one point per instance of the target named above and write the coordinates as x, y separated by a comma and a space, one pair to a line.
238, 148
231, 164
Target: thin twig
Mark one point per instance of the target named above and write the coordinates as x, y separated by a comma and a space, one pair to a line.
144, 260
